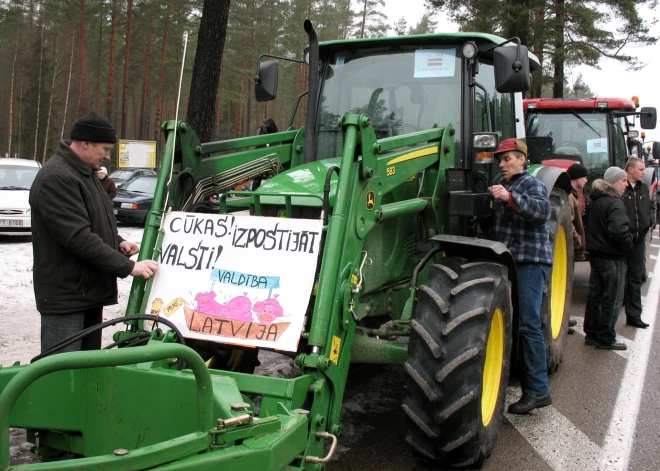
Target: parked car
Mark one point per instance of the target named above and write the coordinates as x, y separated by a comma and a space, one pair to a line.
125, 175
133, 200
16, 177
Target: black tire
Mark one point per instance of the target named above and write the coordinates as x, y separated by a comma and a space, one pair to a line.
558, 287
446, 361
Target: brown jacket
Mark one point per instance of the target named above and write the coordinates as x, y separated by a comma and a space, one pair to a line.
109, 187
578, 227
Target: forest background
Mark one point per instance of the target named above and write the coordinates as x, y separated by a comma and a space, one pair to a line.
122, 58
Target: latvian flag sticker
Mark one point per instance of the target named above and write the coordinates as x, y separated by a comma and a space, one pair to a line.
434, 62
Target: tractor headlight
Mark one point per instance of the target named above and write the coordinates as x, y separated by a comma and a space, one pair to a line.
633, 134
485, 141
470, 50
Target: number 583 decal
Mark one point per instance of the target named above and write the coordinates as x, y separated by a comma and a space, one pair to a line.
389, 171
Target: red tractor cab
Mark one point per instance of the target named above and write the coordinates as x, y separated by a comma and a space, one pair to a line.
592, 131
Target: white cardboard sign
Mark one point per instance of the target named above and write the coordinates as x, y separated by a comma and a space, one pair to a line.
435, 63
595, 146
241, 280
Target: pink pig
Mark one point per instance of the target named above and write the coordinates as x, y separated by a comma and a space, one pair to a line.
239, 308
268, 310
206, 304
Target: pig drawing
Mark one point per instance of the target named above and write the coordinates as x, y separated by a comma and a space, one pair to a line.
268, 310
239, 308
206, 304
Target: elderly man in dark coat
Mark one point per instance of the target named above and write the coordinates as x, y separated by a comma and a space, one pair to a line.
78, 253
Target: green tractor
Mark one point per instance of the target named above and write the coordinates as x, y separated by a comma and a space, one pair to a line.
392, 168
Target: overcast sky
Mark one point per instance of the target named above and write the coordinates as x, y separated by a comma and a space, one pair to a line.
612, 80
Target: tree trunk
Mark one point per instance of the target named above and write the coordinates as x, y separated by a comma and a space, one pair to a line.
97, 94
145, 81
364, 19
161, 76
68, 86
206, 71
111, 65
50, 104
559, 55
81, 60
519, 21
11, 96
20, 118
127, 51
41, 61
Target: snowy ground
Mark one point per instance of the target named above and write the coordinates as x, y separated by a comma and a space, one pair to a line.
20, 332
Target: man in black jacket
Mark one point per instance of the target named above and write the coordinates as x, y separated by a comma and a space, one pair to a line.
610, 243
78, 253
638, 203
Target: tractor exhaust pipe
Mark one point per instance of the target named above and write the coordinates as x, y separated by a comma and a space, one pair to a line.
312, 96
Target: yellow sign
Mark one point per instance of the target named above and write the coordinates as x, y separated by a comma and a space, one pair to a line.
136, 154
173, 306
334, 351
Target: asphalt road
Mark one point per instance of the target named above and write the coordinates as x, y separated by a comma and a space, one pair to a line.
605, 412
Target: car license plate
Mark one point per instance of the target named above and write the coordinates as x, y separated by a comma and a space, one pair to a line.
11, 223
115, 211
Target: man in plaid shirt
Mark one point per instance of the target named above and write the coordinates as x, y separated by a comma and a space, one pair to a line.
520, 222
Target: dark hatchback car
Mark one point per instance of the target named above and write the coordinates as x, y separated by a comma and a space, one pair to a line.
123, 176
133, 200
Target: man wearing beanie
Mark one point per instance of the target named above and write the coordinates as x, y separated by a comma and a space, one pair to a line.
78, 253
637, 199
578, 174
520, 222
610, 244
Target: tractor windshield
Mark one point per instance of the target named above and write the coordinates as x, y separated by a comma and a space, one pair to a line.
401, 90
576, 135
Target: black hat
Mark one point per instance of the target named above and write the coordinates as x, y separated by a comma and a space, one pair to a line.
576, 171
93, 127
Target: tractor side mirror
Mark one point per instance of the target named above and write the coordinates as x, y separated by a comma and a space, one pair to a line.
648, 117
655, 152
511, 69
265, 82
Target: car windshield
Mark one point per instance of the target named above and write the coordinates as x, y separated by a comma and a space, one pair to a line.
121, 174
17, 177
401, 90
142, 185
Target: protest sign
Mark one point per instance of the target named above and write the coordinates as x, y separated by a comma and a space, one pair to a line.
242, 280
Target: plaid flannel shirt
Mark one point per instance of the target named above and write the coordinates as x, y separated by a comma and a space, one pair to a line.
522, 223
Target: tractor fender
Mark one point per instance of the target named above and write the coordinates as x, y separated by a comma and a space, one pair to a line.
472, 248
553, 177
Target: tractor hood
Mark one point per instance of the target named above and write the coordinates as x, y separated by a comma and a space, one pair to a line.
304, 179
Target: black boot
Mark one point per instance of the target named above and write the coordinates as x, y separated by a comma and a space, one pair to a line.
636, 322
529, 402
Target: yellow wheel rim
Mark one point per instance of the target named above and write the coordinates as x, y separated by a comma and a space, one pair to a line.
493, 367
559, 282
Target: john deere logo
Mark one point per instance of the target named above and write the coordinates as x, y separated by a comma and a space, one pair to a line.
371, 200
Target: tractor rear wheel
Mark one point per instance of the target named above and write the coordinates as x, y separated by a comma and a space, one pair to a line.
458, 362
558, 288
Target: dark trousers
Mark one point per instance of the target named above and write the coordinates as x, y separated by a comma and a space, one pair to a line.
636, 264
531, 277
57, 327
604, 299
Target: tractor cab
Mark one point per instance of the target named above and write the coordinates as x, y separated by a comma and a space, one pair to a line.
595, 132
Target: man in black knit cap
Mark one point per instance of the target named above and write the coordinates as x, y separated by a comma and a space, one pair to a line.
78, 253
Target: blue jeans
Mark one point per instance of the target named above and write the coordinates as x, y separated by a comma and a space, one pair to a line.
633, 292
531, 277
604, 299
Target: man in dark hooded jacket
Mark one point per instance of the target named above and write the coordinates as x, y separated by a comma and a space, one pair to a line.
610, 243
